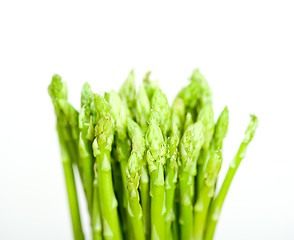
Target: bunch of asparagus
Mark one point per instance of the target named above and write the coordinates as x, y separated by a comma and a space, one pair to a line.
148, 170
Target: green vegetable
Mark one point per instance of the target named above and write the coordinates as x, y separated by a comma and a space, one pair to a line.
58, 91
156, 152
217, 203
133, 174
102, 146
205, 194
190, 146
171, 177
148, 169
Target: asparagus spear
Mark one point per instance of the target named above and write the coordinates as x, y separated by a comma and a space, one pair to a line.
85, 141
102, 146
216, 204
161, 111
206, 116
177, 117
144, 179
133, 178
150, 86
127, 93
188, 121
86, 127
189, 96
205, 195
178, 113
190, 146
121, 152
142, 109
156, 151
220, 132
204, 94
96, 211
171, 177
57, 90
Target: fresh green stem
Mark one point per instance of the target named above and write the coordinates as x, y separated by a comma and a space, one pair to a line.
71, 189
202, 161
186, 207
171, 177
217, 203
86, 159
157, 204
136, 218
175, 227
200, 213
145, 200
96, 215
170, 195
133, 173
110, 221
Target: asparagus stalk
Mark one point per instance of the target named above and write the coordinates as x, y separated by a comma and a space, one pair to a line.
178, 114
204, 94
171, 177
96, 211
216, 204
127, 93
57, 90
190, 146
189, 95
144, 179
122, 144
220, 132
150, 86
188, 121
205, 195
206, 116
161, 111
86, 125
133, 178
86, 137
102, 146
178, 118
142, 109
134, 206
156, 151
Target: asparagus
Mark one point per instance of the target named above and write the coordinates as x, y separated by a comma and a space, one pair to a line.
204, 94
156, 151
206, 116
127, 93
96, 211
102, 146
188, 121
57, 91
85, 139
205, 195
220, 131
142, 108
86, 126
161, 110
190, 146
150, 86
178, 118
133, 178
216, 204
144, 179
178, 113
171, 177
189, 95
159, 190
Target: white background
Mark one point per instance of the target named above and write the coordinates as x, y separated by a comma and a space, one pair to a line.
245, 50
